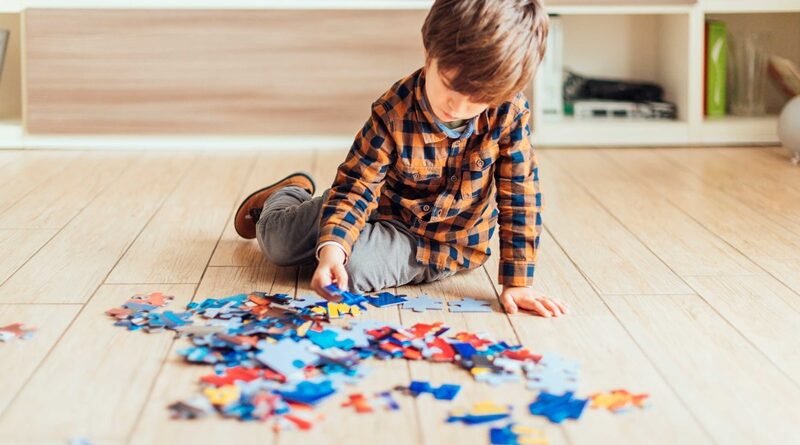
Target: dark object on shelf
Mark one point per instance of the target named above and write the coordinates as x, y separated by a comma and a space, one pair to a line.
577, 87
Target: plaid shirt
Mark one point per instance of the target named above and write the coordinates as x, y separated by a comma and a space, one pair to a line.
449, 192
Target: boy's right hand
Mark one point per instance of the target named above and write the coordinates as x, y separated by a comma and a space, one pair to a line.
329, 270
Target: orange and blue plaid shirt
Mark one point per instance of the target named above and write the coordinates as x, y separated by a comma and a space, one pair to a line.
450, 193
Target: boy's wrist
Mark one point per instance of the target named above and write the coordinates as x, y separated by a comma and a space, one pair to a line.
331, 252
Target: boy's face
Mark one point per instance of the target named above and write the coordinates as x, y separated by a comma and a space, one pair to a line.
447, 105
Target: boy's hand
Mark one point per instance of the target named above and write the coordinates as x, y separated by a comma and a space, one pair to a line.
330, 270
528, 298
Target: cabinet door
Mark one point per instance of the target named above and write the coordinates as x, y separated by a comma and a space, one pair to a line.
212, 71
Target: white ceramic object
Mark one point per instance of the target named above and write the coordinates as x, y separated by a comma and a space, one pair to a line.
789, 128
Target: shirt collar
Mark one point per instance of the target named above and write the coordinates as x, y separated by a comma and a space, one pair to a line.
431, 127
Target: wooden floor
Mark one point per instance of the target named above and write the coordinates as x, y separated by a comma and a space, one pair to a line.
682, 268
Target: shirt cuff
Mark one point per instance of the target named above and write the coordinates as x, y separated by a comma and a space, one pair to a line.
332, 243
516, 273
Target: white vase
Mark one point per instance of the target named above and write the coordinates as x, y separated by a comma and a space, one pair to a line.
789, 128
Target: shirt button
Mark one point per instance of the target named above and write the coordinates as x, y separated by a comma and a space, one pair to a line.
415, 175
437, 212
426, 208
453, 178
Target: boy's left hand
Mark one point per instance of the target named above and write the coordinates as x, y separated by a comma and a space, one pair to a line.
530, 299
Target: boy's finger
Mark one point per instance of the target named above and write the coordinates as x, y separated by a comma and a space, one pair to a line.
509, 305
564, 308
540, 309
552, 306
341, 277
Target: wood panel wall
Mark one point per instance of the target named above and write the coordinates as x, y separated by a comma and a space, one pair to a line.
146, 72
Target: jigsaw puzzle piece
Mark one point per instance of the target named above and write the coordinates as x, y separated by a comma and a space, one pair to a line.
558, 408
469, 305
512, 434
385, 299
481, 412
553, 374
288, 357
359, 402
423, 303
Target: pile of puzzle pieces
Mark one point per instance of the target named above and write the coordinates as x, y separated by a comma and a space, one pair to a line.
16, 331
276, 358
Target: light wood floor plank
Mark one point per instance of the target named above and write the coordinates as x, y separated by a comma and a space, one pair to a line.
55, 202
232, 250
612, 258
773, 188
19, 178
19, 358
609, 359
683, 244
77, 259
741, 226
177, 243
17, 245
9, 156
738, 396
96, 379
178, 380
763, 310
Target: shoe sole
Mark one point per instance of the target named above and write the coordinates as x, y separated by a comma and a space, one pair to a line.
261, 190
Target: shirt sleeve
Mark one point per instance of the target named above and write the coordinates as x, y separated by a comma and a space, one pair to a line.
356, 188
519, 203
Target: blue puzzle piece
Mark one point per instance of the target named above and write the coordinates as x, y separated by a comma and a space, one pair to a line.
423, 303
465, 350
553, 374
346, 297
558, 408
309, 392
137, 307
328, 339
307, 301
385, 299
469, 305
443, 392
288, 357
174, 320
470, 418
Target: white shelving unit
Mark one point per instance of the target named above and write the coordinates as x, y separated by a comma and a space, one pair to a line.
654, 42
11, 134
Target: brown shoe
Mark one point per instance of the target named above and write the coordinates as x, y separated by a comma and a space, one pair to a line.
250, 210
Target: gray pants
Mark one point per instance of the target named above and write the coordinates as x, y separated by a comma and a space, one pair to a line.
383, 256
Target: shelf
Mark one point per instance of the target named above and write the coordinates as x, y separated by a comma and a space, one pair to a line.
229, 4
11, 134
605, 132
619, 9
571, 8
10, 6
734, 129
741, 6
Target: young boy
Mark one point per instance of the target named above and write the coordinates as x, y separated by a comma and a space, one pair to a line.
443, 157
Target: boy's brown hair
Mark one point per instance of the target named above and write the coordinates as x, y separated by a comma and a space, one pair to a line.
489, 49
